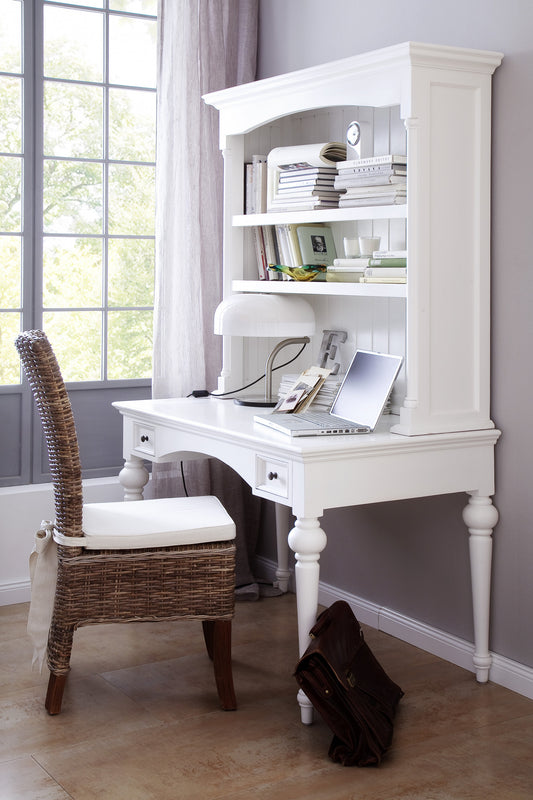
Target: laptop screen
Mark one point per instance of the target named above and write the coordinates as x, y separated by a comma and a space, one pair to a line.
366, 387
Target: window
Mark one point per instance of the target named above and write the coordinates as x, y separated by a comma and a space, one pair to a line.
77, 207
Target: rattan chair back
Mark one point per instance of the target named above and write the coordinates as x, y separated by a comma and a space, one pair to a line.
52, 401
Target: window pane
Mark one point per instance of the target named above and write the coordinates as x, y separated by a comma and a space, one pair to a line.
131, 272
72, 197
91, 3
10, 193
137, 6
10, 272
72, 273
73, 44
132, 51
131, 199
9, 360
131, 125
129, 344
11, 115
76, 338
73, 120
10, 36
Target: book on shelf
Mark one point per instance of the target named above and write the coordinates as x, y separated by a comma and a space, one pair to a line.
260, 253
309, 191
308, 174
372, 196
389, 158
375, 170
269, 239
357, 263
303, 205
288, 246
363, 191
374, 279
389, 254
385, 272
249, 200
342, 183
255, 186
387, 261
259, 169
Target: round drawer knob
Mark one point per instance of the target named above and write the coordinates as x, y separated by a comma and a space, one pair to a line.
144, 438
272, 476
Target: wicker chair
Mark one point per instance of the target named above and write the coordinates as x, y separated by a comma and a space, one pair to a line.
137, 561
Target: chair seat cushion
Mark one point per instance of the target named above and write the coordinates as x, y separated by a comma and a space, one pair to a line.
164, 522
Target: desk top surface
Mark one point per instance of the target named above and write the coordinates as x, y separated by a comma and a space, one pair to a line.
219, 418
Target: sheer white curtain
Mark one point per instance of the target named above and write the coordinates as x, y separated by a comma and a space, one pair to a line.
203, 46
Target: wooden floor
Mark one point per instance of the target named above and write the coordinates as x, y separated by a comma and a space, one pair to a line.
140, 721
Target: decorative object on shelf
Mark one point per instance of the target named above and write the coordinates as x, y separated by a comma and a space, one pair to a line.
328, 349
368, 244
265, 315
353, 140
316, 244
307, 272
351, 246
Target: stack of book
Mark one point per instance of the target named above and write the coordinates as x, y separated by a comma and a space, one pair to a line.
302, 177
305, 188
386, 266
378, 180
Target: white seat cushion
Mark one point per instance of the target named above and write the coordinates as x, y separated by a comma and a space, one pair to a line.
156, 523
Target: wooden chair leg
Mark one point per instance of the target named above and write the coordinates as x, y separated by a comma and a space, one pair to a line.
217, 635
207, 625
54, 695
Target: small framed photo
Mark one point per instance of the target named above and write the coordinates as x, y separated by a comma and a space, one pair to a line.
316, 244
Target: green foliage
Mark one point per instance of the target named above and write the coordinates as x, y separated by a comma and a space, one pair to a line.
91, 288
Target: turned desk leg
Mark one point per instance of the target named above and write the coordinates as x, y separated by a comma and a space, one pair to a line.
480, 517
307, 540
283, 572
133, 476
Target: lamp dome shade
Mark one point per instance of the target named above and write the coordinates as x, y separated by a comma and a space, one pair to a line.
264, 315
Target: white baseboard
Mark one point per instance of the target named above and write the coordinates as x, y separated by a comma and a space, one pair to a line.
12, 592
503, 671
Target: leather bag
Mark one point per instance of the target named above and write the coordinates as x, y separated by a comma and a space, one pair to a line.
349, 688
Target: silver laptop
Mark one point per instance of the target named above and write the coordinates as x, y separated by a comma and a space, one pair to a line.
358, 403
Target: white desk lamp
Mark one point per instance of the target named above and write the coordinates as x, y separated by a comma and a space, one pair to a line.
265, 315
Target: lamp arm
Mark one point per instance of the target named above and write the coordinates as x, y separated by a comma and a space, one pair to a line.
270, 362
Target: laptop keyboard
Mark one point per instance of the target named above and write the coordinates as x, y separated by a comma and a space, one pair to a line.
325, 420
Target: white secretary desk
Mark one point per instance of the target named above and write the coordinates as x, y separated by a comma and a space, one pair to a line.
433, 103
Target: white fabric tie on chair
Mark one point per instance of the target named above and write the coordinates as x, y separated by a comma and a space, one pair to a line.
43, 574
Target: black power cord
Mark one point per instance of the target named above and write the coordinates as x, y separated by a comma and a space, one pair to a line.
205, 393
242, 388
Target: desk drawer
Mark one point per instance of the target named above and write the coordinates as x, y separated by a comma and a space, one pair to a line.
272, 476
144, 439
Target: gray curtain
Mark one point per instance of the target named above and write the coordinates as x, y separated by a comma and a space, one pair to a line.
203, 46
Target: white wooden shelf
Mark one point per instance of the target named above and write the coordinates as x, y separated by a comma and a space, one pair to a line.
324, 215
322, 288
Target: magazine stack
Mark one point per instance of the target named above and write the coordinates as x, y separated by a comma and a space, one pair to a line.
374, 181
